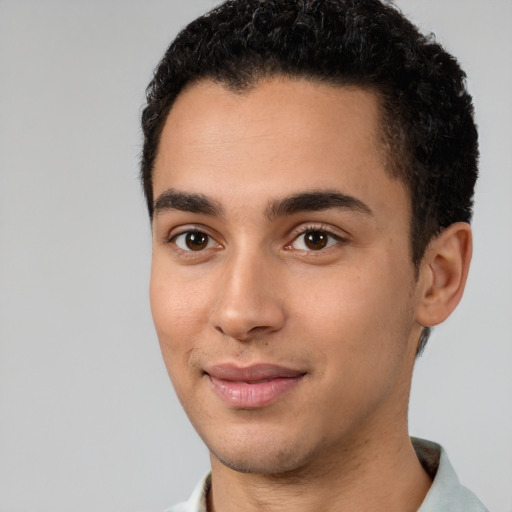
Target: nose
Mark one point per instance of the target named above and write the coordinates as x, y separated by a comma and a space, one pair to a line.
249, 303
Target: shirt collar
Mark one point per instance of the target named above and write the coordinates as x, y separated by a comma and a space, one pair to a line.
446, 492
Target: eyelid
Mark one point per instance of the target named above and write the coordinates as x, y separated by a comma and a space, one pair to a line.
189, 228
320, 226
209, 244
170, 238
340, 235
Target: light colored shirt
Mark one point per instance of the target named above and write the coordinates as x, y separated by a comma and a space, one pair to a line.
446, 494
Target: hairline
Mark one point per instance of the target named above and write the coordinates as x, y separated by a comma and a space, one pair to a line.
385, 133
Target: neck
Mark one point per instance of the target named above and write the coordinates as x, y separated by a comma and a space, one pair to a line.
383, 475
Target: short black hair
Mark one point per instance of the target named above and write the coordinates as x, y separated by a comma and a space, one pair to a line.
426, 112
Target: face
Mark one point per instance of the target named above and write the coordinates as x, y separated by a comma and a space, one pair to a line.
282, 288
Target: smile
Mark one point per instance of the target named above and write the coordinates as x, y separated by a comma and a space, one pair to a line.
252, 387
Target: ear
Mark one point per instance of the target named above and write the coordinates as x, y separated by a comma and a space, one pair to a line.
443, 273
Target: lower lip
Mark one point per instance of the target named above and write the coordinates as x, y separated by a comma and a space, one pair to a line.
243, 395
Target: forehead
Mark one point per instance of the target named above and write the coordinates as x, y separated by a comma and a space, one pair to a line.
278, 138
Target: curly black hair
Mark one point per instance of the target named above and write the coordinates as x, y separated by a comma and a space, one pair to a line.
426, 112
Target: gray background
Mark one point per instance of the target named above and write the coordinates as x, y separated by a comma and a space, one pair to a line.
88, 420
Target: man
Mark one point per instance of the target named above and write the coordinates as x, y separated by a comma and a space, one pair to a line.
309, 168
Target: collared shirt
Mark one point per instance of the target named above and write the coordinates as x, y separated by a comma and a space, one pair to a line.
446, 494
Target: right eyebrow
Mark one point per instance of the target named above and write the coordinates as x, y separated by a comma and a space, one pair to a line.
172, 199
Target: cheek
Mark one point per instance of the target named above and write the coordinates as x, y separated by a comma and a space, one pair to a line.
179, 313
176, 299
358, 329
175, 315
358, 314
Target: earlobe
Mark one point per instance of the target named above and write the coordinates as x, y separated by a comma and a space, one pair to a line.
443, 273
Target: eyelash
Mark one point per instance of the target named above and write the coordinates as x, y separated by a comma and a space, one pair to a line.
296, 234
173, 240
316, 228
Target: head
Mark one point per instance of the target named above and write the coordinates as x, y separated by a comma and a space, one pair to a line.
426, 113
321, 71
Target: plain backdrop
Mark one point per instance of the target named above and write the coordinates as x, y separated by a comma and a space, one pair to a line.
88, 419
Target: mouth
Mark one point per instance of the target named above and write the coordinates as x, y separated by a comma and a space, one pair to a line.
252, 387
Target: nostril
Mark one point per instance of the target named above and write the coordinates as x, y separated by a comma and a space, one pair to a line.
255, 331
246, 335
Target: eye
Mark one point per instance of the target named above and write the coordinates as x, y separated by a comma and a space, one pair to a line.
314, 240
194, 241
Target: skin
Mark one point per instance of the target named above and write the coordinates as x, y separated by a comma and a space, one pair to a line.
347, 316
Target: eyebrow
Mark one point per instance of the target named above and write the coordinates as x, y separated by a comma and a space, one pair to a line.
186, 202
317, 200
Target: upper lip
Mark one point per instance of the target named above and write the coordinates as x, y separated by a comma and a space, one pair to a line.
257, 372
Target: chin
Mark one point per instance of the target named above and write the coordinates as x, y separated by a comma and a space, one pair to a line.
266, 457
261, 464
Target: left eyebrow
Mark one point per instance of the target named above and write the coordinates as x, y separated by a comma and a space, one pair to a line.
316, 200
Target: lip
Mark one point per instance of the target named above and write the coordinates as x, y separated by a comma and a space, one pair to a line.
252, 387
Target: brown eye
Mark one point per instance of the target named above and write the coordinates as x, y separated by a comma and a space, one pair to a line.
196, 240
316, 240
193, 241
